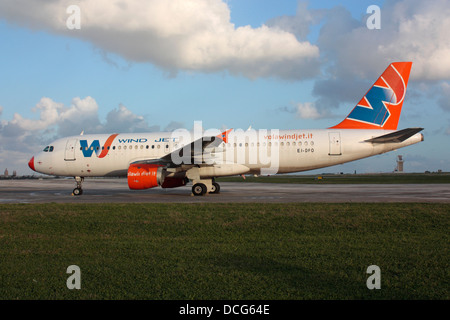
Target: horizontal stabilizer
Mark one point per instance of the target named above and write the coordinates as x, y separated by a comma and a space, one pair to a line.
397, 136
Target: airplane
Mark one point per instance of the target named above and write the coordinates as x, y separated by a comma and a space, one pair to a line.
172, 159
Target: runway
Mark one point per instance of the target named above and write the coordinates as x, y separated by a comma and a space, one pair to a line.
117, 191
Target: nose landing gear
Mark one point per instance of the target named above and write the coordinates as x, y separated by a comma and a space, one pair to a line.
78, 191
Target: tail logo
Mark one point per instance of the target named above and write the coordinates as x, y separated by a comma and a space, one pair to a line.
389, 90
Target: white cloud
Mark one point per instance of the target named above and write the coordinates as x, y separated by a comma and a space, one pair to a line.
55, 116
57, 120
420, 34
352, 56
176, 35
122, 119
308, 110
22, 136
411, 30
301, 23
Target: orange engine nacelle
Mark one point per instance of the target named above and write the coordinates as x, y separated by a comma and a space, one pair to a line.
145, 176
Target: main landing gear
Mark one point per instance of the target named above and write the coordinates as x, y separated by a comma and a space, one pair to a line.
201, 187
78, 191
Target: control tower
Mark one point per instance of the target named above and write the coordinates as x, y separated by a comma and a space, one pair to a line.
400, 161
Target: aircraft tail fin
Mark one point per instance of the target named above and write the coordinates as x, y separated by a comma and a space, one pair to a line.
381, 106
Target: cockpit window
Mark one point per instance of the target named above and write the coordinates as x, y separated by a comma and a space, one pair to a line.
51, 149
46, 148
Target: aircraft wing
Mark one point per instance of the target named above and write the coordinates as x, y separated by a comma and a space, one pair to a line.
197, 152
397, 136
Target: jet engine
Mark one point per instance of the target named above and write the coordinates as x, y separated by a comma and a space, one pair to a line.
145, 176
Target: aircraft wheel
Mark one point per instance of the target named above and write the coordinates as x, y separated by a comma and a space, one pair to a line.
77, 192
216, 188
199, 189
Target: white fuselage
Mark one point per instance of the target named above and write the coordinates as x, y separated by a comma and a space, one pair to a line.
244, 152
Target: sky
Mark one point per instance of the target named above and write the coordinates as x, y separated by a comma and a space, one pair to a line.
156, 65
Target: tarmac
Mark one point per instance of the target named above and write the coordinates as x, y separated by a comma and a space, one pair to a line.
116, 191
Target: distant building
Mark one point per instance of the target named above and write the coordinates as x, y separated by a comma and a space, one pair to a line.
6, 172
400, 161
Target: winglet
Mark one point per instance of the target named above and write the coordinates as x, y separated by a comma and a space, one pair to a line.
381, 106
224, 135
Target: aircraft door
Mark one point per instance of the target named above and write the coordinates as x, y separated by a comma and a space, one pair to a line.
170, 144
335, 143
69, 154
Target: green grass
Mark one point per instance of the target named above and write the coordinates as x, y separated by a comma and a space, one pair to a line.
224, 251
382, 178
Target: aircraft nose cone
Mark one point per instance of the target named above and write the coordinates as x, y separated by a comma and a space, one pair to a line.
31, 164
